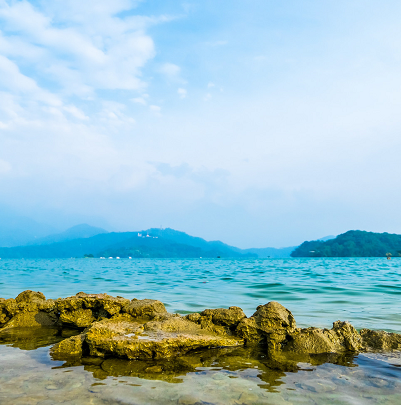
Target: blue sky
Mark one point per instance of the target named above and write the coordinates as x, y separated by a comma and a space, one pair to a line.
259, 123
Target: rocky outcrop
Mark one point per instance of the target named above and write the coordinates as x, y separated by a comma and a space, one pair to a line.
32, 309
269, 325
380, 340
126, 338
222, 321
28, 309
83, 309
142, 330
342, 337
145, 309
70, 347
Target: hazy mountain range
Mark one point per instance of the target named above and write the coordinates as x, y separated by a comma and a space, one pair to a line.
21, 237
84, 239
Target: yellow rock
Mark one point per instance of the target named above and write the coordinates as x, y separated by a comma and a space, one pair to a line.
70, 347
156, 340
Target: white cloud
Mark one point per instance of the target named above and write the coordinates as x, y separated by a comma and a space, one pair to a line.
76, 112
208, 97
139, 100
210, 85
182, 92
86, 45
170, 70
155, 109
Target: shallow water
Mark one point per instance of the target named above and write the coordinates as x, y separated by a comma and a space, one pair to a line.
31, 377
317, 291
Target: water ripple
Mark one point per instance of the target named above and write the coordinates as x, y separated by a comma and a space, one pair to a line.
318, 291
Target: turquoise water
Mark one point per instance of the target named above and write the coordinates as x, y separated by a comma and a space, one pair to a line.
318, 291
365, 292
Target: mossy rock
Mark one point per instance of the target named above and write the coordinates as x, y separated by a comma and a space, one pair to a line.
70, 347
145, 309
380, 340
153, 340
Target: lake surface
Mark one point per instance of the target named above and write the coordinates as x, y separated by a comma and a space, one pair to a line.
318, 291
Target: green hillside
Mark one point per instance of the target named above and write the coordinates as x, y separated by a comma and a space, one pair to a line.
352, 244
152, 243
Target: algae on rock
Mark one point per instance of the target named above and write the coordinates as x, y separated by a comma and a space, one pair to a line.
167, 338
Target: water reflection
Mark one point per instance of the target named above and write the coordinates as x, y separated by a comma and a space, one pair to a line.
234, 376
269, 368
34, 337
221, 376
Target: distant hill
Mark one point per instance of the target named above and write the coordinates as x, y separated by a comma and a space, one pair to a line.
352, 244
17, 230
194, 241
271, 252
158, 243
126, 244
181, 237
66, 249
159, 247
76, 232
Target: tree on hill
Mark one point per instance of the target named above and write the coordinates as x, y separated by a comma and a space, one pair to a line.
352, 244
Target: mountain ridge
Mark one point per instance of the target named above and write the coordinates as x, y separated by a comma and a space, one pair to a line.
80, 231
153, 242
